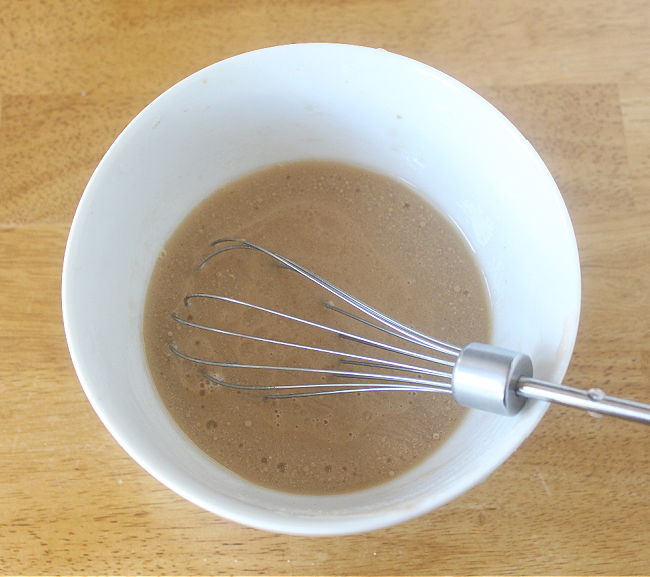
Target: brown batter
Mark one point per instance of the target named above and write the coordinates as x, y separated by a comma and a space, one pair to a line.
369, 235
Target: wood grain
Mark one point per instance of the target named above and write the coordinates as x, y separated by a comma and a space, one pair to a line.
573, 76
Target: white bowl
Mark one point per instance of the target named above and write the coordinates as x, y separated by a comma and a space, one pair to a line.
362, 106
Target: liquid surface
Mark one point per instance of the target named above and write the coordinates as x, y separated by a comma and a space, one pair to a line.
367, 234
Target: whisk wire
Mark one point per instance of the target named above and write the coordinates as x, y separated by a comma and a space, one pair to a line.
339, 373
421, 338
316, 389
348, 335
451, 351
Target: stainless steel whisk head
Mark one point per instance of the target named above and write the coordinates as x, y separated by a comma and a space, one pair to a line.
479, 376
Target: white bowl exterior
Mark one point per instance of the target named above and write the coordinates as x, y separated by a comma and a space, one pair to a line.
359, 105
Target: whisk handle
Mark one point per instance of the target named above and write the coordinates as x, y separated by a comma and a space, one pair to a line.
593, 400
500, 380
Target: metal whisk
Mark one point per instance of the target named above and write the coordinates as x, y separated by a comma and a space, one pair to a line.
478, 376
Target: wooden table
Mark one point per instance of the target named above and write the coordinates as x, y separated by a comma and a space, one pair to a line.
573, 76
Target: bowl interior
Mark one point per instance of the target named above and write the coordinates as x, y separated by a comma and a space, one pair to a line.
358, 105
